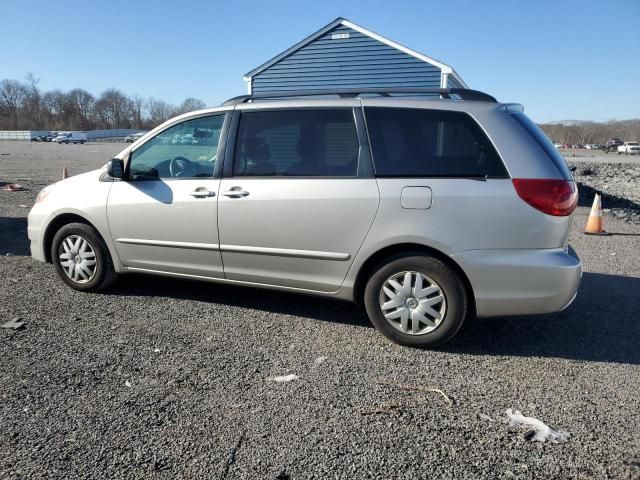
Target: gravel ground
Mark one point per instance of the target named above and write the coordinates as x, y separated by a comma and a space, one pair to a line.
165, 378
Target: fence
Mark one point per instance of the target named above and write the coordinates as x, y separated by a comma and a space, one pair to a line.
15, 135
26, 135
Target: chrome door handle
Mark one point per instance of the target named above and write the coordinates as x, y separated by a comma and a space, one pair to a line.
235, 192
202, 193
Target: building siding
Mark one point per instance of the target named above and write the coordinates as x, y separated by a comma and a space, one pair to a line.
357, 61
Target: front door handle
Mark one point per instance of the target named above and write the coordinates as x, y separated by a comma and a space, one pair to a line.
235, 192
202, 193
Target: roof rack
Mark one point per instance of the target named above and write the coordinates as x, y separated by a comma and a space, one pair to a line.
462, 93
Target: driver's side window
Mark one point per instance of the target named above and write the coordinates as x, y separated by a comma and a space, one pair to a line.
186, 150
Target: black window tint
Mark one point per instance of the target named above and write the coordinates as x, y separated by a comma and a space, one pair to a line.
541, 139
303, 143
430, 143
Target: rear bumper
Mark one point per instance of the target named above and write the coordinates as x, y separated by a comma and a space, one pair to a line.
521, 282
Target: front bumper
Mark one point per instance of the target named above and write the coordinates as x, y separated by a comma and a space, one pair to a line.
521, 282
35, 223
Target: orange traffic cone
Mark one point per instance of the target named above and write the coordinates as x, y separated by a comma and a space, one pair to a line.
65, 172
594, 224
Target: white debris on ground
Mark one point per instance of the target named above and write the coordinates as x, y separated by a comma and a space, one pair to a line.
319, 360
540, 431
284, 378
14, 324
484, 416
127, 384
156, 350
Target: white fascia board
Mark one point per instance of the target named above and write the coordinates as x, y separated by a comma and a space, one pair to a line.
445, 68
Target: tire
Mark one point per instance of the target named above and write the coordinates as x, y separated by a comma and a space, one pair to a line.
99, 275
435, 273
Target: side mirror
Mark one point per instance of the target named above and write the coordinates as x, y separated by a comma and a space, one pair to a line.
115, 168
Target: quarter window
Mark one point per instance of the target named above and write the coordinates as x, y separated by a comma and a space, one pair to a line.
429, 143
297, 143
186, 150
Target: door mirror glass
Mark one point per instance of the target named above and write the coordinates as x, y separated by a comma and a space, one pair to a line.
115, 168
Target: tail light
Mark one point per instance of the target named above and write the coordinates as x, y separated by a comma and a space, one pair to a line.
553, 197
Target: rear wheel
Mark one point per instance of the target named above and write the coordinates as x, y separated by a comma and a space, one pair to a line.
81, 258
416, 300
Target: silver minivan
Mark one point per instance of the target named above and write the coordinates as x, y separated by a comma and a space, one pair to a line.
425, 210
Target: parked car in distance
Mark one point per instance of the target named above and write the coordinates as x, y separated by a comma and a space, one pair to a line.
133, 137
45, 138
70, 137
612, 144
629, 148
425, 211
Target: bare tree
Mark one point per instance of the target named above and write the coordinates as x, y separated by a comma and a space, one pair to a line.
189, 105
82, 105
159, 111
12, 95
114, 109
137, 103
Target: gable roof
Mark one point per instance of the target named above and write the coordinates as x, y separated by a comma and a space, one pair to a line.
446, 69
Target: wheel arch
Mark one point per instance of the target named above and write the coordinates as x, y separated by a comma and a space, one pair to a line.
57, 223
375, 259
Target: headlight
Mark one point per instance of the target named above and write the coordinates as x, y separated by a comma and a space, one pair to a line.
43, 193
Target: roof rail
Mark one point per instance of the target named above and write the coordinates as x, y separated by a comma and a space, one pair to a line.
463, 93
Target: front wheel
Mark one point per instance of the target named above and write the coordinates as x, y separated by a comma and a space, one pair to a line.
416, 301
81, 258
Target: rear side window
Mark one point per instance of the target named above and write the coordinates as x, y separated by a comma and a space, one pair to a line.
430, 143
541, 139
297, 143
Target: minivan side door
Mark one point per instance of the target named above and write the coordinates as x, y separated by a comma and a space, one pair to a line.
297, 197
163, 215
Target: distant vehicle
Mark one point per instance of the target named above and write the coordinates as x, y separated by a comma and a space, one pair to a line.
594, 146
133, 137
567, 145
629, 148
44, 138
612, 144
71, 137
578, 146
557, 145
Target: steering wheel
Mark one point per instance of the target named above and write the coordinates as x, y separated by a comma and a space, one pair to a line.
181, 167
